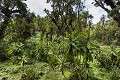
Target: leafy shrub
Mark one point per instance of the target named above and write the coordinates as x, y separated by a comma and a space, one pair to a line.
108, 33
29, 74
110, 58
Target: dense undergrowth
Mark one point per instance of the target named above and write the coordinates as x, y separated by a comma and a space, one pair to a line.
102, 68
39, 59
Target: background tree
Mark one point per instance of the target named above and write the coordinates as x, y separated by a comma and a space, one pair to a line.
114, 10
8, 10
20, 29
63, 14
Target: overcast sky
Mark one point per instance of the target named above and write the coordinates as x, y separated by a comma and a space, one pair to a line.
38, 6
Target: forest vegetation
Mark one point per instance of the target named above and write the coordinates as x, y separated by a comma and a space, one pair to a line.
63, 45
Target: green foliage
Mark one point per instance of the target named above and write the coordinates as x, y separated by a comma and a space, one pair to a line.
10, 9
59, 46
115, 73
68, 16
52, 76
108, 33
28, 74
109, 59
78, 46
15, 48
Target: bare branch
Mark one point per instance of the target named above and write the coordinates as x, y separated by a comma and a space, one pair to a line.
102, 6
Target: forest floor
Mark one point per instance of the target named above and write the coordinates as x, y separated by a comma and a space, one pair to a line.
43, 71
39, 71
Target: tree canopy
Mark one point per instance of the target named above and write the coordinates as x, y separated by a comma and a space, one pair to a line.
113, 11
10, 9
